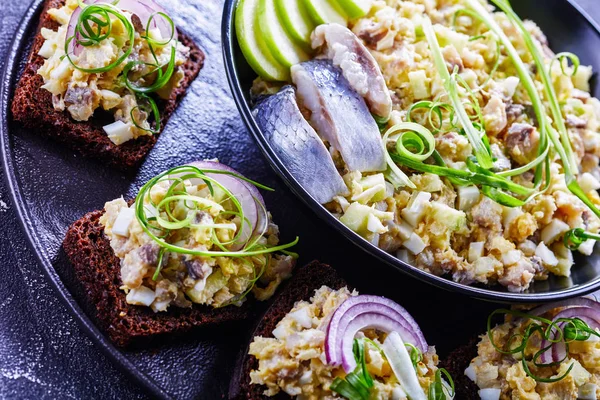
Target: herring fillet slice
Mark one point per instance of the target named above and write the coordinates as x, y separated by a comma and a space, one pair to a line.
298, 145
345, 50
340, 115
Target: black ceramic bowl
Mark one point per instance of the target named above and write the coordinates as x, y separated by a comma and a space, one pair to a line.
567, 26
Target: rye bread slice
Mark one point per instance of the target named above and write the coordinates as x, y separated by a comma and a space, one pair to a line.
456, 363
98, 270
32, 107
300, 287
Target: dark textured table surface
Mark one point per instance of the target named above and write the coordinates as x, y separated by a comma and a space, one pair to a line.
43, 354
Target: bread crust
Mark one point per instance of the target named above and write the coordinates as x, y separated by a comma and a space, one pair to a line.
456, 363
32, 107
300, 287
98, 270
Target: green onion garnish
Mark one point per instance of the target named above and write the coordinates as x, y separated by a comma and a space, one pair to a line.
99, 16
438, 390
450, 83
164, 222
147, 105
358, 383
560, 139
538, 330
416, 356
95, 25
576, 237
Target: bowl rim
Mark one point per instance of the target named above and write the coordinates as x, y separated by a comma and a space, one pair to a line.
481, 293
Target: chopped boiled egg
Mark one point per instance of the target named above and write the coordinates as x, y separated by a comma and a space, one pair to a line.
546, 255
416, 208
141, 296
118, 132
554, 230
123, 221
476, 250
414, 244
468, 196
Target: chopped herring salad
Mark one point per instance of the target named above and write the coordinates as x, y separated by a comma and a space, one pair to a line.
490, 142
120, 57
315, 353
550, 352
196, 234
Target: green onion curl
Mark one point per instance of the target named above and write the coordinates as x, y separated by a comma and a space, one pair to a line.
540, 329
159, 227
94, 13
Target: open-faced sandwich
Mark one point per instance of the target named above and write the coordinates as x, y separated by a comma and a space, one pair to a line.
195, 242
104, 77
322, 340
445, 132
549, 352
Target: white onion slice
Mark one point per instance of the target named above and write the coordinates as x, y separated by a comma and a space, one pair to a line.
247, 194
397, 355
363, 312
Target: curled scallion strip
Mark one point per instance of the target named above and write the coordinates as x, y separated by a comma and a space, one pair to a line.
394, 174
159, 226
563, 60
149, 107
162, 77
92, 14
416, 356
576, 237
153, 41
95, 25
438, 390
435, 111
475, 176
541, 329
412, 140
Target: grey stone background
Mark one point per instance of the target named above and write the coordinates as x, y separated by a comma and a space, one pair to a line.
43, 354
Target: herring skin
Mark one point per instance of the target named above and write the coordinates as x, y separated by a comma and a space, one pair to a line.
340, 115
340, 45
298, 146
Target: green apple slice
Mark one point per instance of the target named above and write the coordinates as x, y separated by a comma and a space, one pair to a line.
296, 20
281, 46
356, 8
253, 46
326, 12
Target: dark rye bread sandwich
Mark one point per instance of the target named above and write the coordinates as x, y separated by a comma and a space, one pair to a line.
456, 363
97, 268
301, 286
32, 106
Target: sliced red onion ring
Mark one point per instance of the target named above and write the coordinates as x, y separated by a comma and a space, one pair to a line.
585, 309
144, 9
385, 314
247, 194
381, 322
581, 301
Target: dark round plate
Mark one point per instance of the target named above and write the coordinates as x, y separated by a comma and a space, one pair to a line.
52, 187
567, 26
